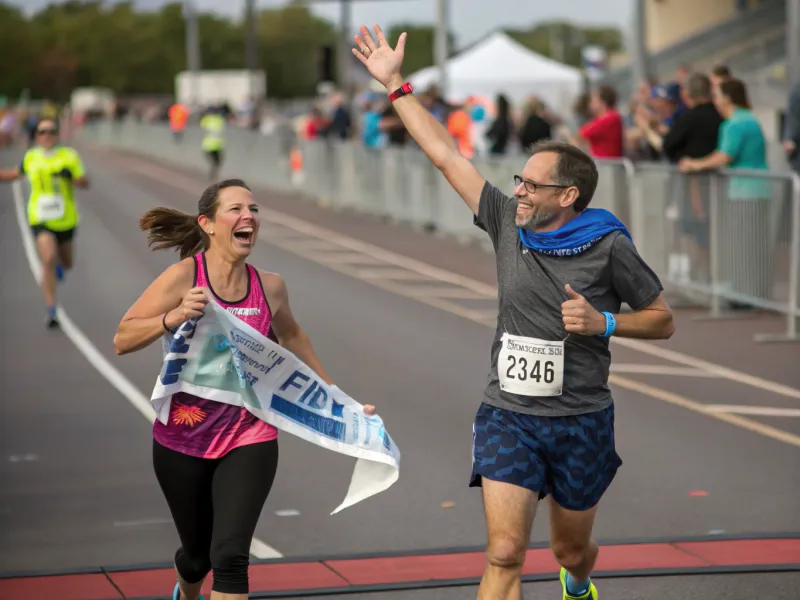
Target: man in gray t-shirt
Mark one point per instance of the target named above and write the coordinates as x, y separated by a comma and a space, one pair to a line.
531, 291
546, 427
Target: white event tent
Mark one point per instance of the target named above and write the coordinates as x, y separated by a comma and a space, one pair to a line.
498, 64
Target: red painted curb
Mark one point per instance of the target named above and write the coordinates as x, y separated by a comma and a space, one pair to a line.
346, 574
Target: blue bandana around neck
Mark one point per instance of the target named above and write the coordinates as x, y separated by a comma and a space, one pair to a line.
577, 236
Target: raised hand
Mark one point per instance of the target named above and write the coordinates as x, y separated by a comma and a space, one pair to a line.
381, 61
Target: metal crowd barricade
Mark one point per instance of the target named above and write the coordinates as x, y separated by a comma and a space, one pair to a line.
724, 240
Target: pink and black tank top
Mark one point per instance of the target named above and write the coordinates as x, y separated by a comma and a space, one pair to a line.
210, 429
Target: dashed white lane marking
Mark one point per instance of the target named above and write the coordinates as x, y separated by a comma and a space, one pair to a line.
121, 383
761, 411
635, 368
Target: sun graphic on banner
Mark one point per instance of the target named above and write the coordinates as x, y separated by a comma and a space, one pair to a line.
187, 415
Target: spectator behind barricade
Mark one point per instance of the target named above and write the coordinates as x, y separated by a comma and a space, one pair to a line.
501, 129
340, 124
633, 143
436, 104
459, 125
693, 134
316, 126
392, 126
719, 75
791, 134
581, 110
30, 124
667, 102
224, 110
741, 141
682, 74
604, 132
371, 133
7, 125
535, 127
745, 238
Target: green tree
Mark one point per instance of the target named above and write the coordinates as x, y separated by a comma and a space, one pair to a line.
18, 51
288, 58
130, 51
563, 41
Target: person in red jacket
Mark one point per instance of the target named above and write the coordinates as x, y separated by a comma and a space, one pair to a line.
604, 132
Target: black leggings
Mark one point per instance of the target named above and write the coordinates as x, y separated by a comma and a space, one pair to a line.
215, 504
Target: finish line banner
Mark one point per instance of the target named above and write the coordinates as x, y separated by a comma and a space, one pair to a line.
221, 358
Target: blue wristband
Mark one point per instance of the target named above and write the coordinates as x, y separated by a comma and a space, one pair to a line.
611, 324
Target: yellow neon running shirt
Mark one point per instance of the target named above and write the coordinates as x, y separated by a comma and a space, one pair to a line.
52, 199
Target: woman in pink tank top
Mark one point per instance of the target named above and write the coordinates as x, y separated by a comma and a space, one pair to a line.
215, 462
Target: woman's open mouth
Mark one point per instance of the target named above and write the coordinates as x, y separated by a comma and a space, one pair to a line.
244, 235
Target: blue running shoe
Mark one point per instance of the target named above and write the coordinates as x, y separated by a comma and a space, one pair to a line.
59, 272
176, 593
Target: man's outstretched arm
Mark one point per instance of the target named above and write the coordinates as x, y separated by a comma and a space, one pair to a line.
10, 174
384, 65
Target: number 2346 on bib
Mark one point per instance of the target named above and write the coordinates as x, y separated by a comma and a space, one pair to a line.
530, 367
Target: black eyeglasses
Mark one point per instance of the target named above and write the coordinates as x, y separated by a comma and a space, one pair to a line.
531, 185
47, 131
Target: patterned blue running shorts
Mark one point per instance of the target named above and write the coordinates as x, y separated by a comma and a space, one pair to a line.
573, 458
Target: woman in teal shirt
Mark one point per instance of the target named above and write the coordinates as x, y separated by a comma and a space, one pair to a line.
746, 244
741, 141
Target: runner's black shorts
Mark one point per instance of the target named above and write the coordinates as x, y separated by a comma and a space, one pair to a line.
215, 156
62, 237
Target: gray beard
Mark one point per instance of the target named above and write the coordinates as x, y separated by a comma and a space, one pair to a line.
539, 219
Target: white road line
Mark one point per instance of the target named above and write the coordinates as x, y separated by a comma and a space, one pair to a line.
349, 258
121, 383
448, 292
718, 370
390, 273
759, 411
698, 407
635, 368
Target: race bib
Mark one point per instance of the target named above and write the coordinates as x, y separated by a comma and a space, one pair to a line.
530, 367
50, 207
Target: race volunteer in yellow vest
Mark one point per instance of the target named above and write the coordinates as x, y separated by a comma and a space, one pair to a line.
53, 171
213, 125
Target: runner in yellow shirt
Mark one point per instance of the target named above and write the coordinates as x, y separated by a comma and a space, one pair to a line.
53, 171
213, 125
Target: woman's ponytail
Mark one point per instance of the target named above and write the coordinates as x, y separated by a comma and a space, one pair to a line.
168, 228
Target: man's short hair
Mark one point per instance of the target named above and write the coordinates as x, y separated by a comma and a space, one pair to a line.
608, 95
698, 86
721, 71
573, 168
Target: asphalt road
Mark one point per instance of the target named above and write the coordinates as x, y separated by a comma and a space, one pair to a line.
782, 586
77, 485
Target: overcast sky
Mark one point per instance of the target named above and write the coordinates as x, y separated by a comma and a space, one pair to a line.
470, 19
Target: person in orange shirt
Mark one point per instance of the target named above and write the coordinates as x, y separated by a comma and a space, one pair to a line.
178, 115
459, 125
